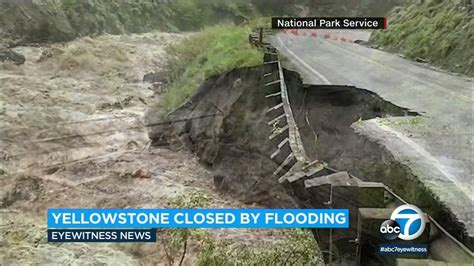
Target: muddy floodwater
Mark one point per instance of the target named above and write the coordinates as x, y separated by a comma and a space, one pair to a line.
73, 136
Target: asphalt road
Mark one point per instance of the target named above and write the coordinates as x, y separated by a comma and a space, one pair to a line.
438, 146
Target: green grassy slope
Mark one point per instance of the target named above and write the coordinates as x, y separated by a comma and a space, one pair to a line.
208, 52
440, 31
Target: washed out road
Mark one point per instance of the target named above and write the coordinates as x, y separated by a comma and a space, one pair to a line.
438, 145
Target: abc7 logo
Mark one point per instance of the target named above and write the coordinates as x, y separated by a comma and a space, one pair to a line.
407, 223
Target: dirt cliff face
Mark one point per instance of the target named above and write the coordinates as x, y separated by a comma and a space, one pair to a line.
324, 115
234, 143
227, 128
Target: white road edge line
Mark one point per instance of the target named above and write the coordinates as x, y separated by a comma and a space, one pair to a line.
320, 76
433, 85
427, 156
420, 150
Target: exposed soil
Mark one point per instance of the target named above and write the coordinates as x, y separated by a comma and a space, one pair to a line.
235, 146
325, 115
234, 143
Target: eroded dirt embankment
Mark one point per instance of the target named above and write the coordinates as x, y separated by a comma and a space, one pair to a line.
324, 115
234, 144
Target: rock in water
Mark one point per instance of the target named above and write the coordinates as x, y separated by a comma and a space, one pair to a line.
155, 77
9, 55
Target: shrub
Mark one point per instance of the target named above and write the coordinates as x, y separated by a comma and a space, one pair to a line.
296, 247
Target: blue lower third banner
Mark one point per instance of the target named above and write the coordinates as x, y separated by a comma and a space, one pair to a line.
198, 218
101, 235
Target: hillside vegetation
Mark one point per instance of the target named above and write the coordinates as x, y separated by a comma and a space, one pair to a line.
439, 31
64, 20
29, 21
208, 52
